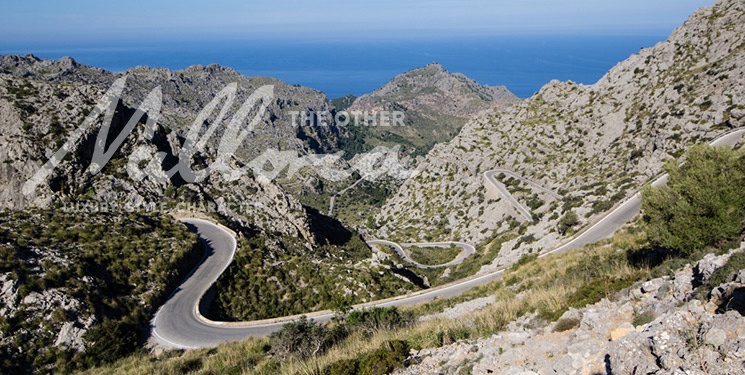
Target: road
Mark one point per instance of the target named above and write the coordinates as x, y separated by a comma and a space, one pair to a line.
519, 207
525, 180
179, 323
467, 251
333, 197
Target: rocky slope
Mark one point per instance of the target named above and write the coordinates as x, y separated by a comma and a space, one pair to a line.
79, 288
435, 103
38, 116
667, 325
43, 102
591, 144
186, 92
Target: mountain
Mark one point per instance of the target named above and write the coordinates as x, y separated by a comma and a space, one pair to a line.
435, 104
186, 92
591, 145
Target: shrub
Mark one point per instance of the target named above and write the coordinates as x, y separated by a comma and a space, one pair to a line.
567, 221
391, 355
343, 367
566, 324
703, 203
304, 338
386, 359
644, 318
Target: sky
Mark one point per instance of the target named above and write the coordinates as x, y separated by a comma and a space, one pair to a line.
86, 20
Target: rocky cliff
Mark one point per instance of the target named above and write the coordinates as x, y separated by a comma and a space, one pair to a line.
37, 116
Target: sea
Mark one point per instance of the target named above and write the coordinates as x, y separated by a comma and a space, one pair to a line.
340, 67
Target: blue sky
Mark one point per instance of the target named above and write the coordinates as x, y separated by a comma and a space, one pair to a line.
35, 20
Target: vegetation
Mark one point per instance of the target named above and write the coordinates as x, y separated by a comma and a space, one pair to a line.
547, 285
567, 221
119, 266
304, 339
278, 276
342, 103
703, 203
433, 256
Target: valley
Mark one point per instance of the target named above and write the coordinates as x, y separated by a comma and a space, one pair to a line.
210, 233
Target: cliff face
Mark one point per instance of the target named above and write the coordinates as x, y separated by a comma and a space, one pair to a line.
37, 114
591, 144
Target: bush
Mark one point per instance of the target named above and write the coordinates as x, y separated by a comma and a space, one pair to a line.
566, 324
304, 339
703, 203
567, 221
644, 318
391, 355
343, 367
386, 359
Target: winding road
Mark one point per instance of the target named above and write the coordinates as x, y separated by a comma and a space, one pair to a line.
502, 190
180, 323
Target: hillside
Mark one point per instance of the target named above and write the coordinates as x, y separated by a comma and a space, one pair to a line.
78, 289
591, 145
435, 104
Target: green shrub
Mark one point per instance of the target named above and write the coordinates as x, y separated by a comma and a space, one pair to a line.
343, 367
703, 203
643, 319
386, 359
567, 221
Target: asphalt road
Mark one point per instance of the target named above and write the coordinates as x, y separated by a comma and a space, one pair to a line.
179, 323
519, 207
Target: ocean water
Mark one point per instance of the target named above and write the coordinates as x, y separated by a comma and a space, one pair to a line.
522, 63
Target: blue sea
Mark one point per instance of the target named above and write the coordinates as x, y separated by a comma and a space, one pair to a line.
522, 63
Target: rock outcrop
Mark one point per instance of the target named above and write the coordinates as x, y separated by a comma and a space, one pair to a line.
654, 327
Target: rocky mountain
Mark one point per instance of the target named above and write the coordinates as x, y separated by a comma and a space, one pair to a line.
186, 92
590, 145
435, 103
80, 287
36, 118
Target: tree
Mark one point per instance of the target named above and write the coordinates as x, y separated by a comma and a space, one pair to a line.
703, 203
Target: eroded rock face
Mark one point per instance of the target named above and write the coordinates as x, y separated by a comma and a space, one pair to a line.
592, 144
37, 116
685, 336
